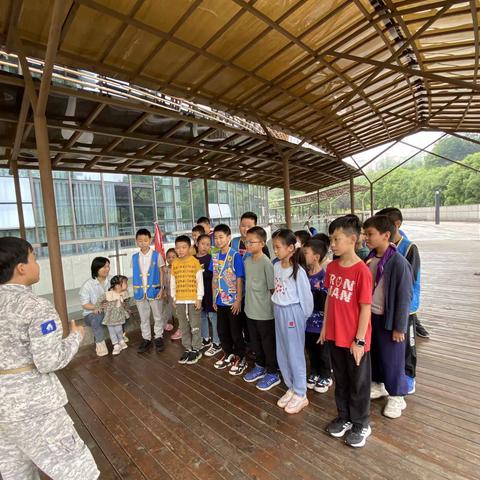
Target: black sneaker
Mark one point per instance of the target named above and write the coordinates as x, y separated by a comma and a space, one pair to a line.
185, 356
144, 346
421, 331
239, 366
159, 345
311, 381
338, 427
224, 361
357, 436
206, 343
194, 357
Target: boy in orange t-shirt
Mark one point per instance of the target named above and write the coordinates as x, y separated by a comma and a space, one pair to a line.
186, 288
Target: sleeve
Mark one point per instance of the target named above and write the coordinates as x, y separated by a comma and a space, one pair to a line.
50, 352
403, 296
238, 266
173, 285
200, 286
304, 292
84, 294
364, 285
413, 258
269, 274
326, 281
161, 261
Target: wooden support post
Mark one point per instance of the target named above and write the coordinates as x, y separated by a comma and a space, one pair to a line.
371, 199
352, 195
286, 192
205, 188
18, 198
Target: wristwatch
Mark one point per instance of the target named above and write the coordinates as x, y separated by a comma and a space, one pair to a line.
360, 342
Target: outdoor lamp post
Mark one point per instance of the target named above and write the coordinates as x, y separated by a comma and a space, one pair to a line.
437, 207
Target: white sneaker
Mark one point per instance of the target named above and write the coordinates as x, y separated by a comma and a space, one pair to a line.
296, 404
377, 391
394, 407
283, 401
123, 345
117, 348
101, 349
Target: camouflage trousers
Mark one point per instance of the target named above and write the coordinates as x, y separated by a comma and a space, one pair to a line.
48, 443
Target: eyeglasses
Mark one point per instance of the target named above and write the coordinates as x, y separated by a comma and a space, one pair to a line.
248, 242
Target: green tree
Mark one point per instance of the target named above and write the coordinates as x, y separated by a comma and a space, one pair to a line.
453, 148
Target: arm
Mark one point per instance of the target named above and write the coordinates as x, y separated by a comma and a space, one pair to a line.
304, 292
200, 290
403, 298
321, 338
237, 305
85, 299
161, 267
173, 287
364, 319
413, 258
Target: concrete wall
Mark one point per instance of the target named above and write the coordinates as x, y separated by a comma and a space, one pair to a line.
452, 213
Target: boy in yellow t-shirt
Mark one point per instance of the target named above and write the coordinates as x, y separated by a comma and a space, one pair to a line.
186, 288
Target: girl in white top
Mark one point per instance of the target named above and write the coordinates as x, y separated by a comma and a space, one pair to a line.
292, 305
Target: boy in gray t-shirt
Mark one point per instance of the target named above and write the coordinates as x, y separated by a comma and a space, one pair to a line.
259, 286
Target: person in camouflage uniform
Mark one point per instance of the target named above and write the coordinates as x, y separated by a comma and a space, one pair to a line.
36, 432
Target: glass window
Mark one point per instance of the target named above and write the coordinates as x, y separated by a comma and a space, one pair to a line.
164, 194
119, 213
115, 177
85, 176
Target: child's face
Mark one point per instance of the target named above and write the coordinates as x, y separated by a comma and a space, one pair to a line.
299, 241
341, 242
245, 225
222, 240
281, 249
204, 246
310, 257
30, 271
143, 242
254, 243
195, 235
182, 249
375, 239
171, 256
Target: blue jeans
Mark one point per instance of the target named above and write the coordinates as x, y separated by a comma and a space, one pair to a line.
205, 331
95, 320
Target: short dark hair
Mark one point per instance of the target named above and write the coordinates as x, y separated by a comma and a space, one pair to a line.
222, 227
303, 235
13, 250
183, 239
259, 232
394, 214
322, 237
202, 236
382, 223
117, 280
203, 220
198, 228
250, 215
170, 250
97, 264
318, 247
143, 231
350, 224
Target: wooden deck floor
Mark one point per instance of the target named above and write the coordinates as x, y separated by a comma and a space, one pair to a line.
146, 417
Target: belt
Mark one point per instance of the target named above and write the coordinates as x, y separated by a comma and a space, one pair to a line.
12, 371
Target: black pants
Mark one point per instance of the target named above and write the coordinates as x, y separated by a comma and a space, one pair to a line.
262, 342
230, 331
245, 328
352, 385
411, 346
319, 356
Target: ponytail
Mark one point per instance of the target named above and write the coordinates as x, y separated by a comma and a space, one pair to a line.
297, 259
117, 280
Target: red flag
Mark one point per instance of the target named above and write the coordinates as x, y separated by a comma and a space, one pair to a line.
158, 239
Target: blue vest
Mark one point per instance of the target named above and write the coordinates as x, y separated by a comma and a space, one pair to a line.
236, 246
153, 280
403, 248
224, 278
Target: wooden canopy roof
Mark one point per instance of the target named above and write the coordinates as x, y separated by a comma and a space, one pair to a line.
343, 75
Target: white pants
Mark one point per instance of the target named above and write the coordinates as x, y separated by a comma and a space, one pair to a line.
144, 306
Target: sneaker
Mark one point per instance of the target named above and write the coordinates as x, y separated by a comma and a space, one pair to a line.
421, 331
123, 345
394, 407
194, 357
357, 436
117, 348
311, 381
101, 349
144, 346
125, 338
177, 335
411, 383
159, 345
224, 362
213, 350
282, 402
322, 385
377, 391
184, 358
206, 343
239, 366
168, 327
255, 374
296, 404
338, 427
269, 381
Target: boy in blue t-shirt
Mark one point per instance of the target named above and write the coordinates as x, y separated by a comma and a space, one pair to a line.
227, 286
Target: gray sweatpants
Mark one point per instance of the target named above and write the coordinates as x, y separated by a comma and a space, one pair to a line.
189, 323
144, 306
49, 443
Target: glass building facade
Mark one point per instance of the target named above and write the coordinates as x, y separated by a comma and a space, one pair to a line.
103, 206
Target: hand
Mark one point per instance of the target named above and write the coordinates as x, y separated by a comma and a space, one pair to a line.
215, 306
198, 304
398, 336
97, 311
236, 307
357, 351
321, 338
77, 328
